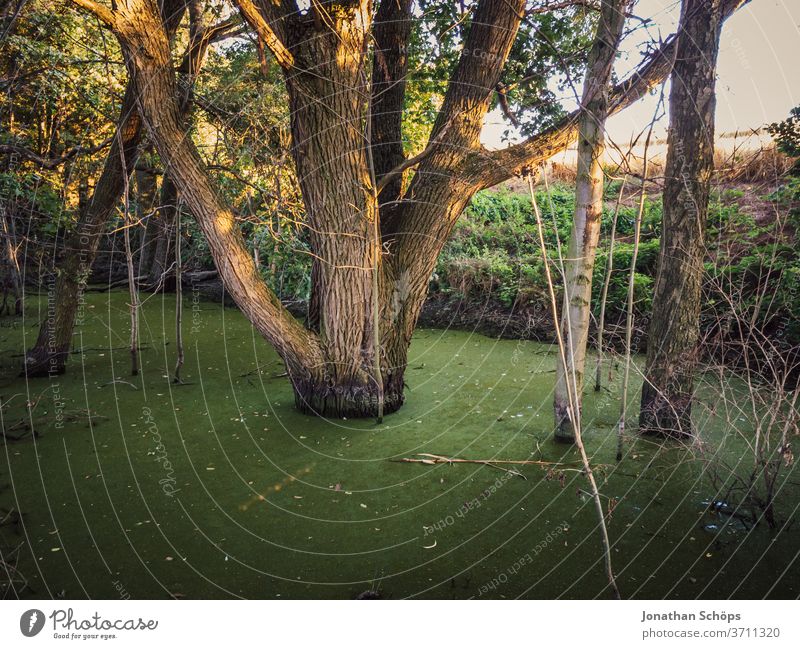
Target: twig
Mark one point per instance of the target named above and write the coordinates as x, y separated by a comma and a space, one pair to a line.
119, 381
606, 284
431, 458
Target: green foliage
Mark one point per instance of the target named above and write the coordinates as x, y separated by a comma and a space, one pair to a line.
494, 254
787, 133
550, 52
31, 196
754, 265
56, 97
550, 49
494, 251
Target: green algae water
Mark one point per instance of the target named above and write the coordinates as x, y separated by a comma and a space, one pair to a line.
217, 488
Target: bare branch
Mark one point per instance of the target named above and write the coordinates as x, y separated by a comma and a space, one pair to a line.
51, 163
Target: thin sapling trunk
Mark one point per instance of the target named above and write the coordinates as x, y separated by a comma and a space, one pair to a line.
132, 288
601, 322
585, 233
178, 297
637, 230
576, 418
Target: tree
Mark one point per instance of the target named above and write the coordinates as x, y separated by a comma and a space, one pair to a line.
585, 234
324, 54
49, 354
48, 130
666, 407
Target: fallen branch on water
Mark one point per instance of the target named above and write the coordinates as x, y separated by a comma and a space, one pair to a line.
431, 458
119, 381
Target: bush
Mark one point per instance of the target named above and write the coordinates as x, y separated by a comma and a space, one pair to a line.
494, 250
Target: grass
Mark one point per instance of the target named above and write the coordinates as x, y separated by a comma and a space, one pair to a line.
220, 489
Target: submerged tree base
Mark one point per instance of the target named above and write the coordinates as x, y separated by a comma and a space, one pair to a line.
351, 401
662, 417
41, 362
563, 436
564, 432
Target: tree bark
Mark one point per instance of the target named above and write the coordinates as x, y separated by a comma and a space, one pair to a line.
146, 193
147, 53
327, 108
666, 407
447, 179
391, 33
159, 277
585, 234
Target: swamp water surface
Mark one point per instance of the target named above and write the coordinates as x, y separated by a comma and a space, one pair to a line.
218, 488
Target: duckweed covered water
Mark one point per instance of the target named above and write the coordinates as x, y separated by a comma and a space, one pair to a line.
218, 488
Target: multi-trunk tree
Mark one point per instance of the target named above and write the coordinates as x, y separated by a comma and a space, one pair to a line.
374, 240
666, 407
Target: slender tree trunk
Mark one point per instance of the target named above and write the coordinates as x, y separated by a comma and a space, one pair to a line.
12, 260
133, 288
666, 407
146, 193
160, 278
601, 321
637, 230
579, 267
179, 298
572, 398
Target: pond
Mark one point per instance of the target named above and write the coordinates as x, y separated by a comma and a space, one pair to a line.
218, 488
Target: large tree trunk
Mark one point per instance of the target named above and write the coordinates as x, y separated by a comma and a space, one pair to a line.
328, 112
666, 407
331, 366
585, 234
414, 227
147, 52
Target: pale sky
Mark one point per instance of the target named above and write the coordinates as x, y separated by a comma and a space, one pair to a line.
758, 71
